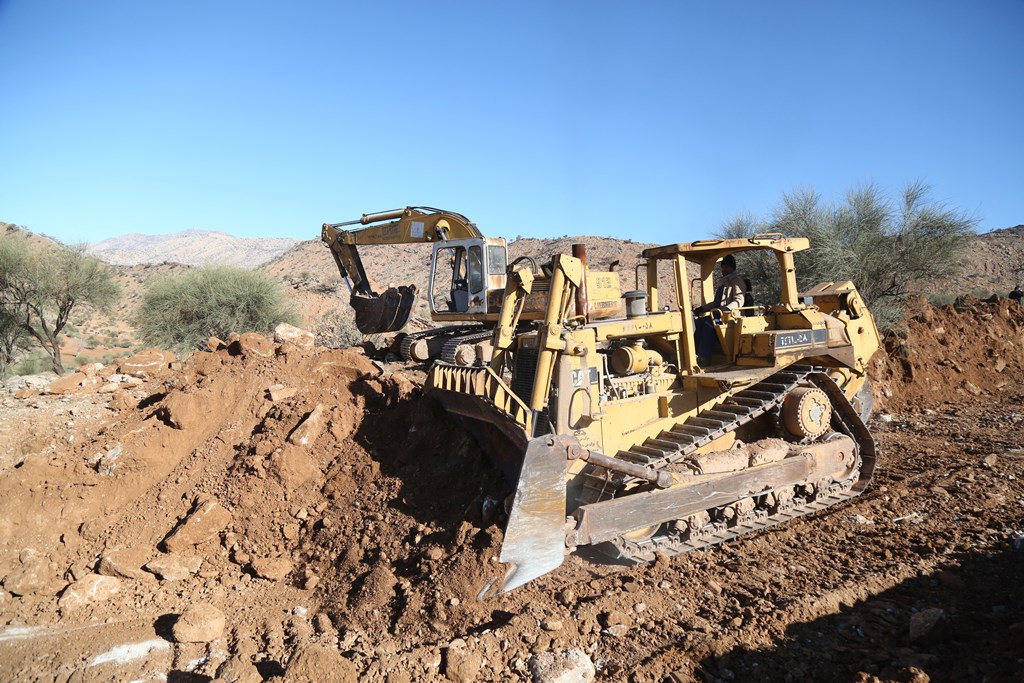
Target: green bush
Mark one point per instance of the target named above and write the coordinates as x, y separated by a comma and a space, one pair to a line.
13, 341
33, 365
180, 312
889, 247
337, 329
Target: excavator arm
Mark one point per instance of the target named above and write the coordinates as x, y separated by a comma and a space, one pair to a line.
388, 311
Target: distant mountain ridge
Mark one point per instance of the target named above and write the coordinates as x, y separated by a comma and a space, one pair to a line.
192, 247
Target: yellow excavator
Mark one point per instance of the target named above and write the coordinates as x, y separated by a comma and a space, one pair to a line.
466, 285
615, 437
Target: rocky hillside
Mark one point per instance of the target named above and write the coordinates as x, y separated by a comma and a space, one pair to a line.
994, 263
191, 247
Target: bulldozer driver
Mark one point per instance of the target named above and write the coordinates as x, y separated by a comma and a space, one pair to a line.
731, 294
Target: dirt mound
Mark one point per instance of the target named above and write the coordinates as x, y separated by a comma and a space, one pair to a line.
950, 354
288, 475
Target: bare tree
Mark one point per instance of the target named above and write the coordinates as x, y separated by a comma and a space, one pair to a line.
41, 286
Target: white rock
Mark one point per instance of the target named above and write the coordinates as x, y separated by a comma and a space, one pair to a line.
857, 519
93, 588
289, 333
175, 566
562, 666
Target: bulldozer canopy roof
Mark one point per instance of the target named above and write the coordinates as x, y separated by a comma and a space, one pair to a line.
703, 250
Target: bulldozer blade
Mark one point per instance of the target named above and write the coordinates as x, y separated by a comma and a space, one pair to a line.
385, 312
535, 534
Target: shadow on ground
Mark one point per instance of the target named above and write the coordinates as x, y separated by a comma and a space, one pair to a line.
978, 636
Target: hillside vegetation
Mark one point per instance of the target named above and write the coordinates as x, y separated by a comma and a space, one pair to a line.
992, 262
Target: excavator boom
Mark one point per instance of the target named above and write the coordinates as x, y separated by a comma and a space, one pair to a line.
388, 311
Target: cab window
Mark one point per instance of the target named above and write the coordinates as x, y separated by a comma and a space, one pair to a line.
476, 269
497, 261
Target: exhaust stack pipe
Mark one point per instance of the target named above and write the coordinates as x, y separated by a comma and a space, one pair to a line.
580, 251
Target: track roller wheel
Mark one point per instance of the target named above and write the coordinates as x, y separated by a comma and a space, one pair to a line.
806, 412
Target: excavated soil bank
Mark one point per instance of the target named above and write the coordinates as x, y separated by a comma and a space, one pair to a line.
304, 514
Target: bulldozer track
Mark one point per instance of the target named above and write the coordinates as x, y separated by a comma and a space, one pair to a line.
674, 445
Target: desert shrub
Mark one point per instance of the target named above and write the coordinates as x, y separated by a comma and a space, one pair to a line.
889, 247
180, 312
337, 329
33, 364
42, 286
13, 340
943, 298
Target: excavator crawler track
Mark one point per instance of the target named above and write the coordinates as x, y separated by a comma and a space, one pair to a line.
451, 347
674, 445
405, 346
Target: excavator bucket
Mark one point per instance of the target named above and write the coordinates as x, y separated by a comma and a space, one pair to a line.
535, 534
385, 312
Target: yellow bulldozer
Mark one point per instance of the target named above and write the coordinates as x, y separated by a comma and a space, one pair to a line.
616, 437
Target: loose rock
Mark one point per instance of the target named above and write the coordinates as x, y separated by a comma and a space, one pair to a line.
207, 519
562, 666
35, 575
93, 588
317, 663
175, 566
293, 466
254, 345
927, 625
272, 568
462, 664
295, 335
200, 623
238, 669
66, 384
122, 564
147, 363
310, 429
279, 392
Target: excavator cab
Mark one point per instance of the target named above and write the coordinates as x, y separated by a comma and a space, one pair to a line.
466, 289
467, 277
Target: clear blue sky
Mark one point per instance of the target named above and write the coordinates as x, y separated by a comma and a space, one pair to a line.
657, 121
